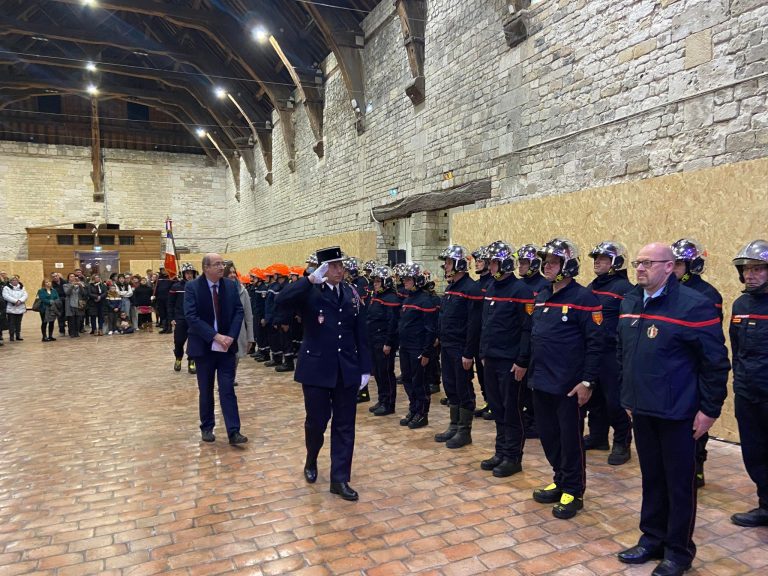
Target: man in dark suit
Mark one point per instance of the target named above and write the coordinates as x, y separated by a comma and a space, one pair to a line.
333, 363
214, 317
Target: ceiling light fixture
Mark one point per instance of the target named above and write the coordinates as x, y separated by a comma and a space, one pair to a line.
201, 133
92, 89
260, 34
220, 93
90, 66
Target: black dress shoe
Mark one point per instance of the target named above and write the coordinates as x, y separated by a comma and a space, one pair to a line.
344, 490
756, 517
237, 438
444, 401
669, 568
208, 436
639, 555
383, 411
491, 462
310, 474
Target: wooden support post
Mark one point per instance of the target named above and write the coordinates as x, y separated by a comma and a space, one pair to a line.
97, 172
413, 14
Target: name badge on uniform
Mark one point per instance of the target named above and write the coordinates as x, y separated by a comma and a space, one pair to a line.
320, 317
652, 331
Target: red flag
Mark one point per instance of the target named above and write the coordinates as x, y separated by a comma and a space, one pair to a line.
170, 249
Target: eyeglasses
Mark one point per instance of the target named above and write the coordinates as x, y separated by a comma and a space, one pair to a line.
647, 263
217, 265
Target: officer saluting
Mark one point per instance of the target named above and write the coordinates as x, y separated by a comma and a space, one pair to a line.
333, 363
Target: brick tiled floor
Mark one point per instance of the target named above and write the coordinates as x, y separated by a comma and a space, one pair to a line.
102, 471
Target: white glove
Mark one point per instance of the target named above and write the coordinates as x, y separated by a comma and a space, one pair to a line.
318, 276
364, 381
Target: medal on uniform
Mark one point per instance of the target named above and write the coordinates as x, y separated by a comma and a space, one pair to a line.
652, 331
320, 317
565, 318
493, 302
565, 313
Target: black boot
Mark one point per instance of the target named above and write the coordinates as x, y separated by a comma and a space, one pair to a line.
276, 359
261, 356
463, 434
453, 426
286, 366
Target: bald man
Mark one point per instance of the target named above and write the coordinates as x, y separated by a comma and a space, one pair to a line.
214, 316
674, 370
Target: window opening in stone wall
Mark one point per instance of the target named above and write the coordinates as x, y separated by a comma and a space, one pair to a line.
49, 104
65, 239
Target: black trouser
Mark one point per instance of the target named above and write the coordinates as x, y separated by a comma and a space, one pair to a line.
286, 342
62, 321
275, 343
320, 404
604, 407
480, 377
433, 369
560, 423
529, 416
14, 324
46, 326
97, 319
162, 313
752, 418
384, 373
667, 453
457, 382
74, 323
505, 397
179, 337
414, 381
261, 335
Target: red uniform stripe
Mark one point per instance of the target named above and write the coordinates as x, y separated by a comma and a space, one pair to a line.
703, 324
463, 295
380, 301
611, 294
503, 299
751, 316
419, 308
574, 306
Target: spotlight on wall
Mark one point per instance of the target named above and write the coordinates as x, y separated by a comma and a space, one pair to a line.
200, 133
90, 66
259, 34
369, 108
92, 89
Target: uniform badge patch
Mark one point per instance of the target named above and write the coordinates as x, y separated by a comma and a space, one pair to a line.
652, 331
565, 309
529, 308
597, 318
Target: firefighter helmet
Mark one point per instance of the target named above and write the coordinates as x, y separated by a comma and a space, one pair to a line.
504, 254
753, 253
692, 253
414, 271
384, 273
614, 250
568, 253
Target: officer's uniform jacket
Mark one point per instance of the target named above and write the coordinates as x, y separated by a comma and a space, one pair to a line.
610, 290
672, 355
382, 318
507, 311
749, 345
335, 343
567, 339
418, 324
696, 282
461, 311
536, 282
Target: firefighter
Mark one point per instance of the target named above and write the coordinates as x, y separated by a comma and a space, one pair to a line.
178, 321
480, 257
382, 319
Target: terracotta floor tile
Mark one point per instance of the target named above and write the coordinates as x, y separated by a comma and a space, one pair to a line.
124, 486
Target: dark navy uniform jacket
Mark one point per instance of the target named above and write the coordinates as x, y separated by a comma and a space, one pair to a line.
418, 324
610, 290
696, 282
382, 318
567, 339
401, 292
461, 311
362, 286
536, 282
483, 281
269, 305
507, 312
258, 294
672, 355
283, 315
749, 345
176, 300
335, 343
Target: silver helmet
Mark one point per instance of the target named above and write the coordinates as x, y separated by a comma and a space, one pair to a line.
753, 253
567, 251
614, 250
504, 254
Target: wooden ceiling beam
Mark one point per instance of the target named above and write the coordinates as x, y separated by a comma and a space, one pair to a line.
413, 15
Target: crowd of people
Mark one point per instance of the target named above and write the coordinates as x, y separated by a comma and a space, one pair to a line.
550, 354
121, 304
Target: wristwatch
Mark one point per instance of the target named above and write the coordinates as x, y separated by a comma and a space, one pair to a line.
587, 384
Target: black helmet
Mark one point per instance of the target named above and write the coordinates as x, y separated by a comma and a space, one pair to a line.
413, 270
614, 250
753, 253
568, 253
530, 252
385, 274
504, 254
459, 256
692, 253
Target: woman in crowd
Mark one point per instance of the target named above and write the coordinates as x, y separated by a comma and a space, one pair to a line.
97, 292
245, 338
74, 303
47, 296
125, 290
15, 297
112, 307
142, 299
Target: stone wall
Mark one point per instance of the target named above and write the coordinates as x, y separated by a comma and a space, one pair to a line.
48, 185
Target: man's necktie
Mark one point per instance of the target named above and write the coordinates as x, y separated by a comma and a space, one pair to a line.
216, 311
